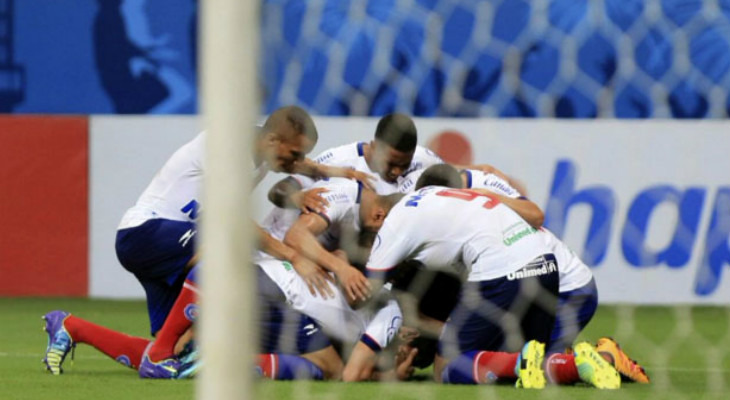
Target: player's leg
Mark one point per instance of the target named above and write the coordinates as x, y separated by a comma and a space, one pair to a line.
292, 345
575, 310
333, 314
158, 253
65, 331
179, 320
502, 316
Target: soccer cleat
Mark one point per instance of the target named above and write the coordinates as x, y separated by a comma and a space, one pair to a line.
628, 368
59, 341
594, 369
530, 374
164, 369
189, 361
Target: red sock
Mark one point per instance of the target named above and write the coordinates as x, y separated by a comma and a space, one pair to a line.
178, 321
495, 364
268, 364
121, 347
561, 369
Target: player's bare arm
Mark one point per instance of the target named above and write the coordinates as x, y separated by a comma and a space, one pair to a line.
315, 170
302, 236
526, 209
313, 274
490, 169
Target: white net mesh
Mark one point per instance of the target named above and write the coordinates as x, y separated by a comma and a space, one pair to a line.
613, 58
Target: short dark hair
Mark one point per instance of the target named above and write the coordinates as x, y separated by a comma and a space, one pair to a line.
440, 175
398, 131
298, 118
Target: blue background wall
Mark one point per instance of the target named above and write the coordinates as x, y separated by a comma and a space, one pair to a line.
508, 58
103, 56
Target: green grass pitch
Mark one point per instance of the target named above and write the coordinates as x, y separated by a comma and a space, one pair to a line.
686, 351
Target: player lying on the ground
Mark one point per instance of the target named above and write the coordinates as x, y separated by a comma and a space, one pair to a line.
156, 242
351, 209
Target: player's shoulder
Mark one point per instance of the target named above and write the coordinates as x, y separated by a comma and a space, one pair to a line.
426, 153
340, 190
336, 155
423, 158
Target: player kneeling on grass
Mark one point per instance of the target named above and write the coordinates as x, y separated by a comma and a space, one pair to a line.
156, 242
509, 298
578, 295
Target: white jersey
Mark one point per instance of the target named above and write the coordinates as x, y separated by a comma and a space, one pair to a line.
444, 228
573, 272
335, 315
174, 192
341, 214
352, 156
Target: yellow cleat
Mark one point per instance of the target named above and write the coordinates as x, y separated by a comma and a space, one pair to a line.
530, 374
594, 369
628, 368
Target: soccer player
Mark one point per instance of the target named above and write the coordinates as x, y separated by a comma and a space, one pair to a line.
578, 296
350, 209
156, 242
388, 158
510, 295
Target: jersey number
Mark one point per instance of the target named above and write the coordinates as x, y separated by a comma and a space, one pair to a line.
470, 195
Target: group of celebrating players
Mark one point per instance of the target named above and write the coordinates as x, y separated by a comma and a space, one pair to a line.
377, 258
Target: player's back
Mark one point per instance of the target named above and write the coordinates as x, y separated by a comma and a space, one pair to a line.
174, 191
464, 226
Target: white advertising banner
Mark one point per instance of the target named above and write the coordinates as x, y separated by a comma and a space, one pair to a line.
645, 203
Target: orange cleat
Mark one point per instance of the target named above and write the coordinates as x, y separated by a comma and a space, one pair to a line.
628, 368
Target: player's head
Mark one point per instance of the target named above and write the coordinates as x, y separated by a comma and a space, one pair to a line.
287, 136
373, 213
393, 146
440, 175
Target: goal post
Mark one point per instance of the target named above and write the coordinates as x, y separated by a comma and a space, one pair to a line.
229, 31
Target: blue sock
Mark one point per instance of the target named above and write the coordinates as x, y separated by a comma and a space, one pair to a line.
288, 367
460, 370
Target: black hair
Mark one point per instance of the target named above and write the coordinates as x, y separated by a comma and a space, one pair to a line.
397, 131
440, 175
298, 118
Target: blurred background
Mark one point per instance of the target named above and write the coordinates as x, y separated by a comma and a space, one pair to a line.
613, 114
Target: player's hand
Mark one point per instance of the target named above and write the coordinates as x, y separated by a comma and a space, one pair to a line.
314, 276
310, 200
366, 179
406, 334
404, 362
356, 285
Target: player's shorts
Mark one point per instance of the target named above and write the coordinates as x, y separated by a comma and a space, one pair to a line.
157, 253
333, 314
502, 314
575, 311
282, 329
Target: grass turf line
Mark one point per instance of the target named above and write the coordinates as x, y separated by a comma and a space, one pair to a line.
685, 349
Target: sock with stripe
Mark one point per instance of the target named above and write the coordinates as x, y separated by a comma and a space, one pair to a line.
178, 321
560, 369
287, 367
480, 367
123, 348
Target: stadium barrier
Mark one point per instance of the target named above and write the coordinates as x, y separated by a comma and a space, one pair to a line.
645, 203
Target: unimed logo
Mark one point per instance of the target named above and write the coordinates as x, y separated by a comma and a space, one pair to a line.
690, 203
